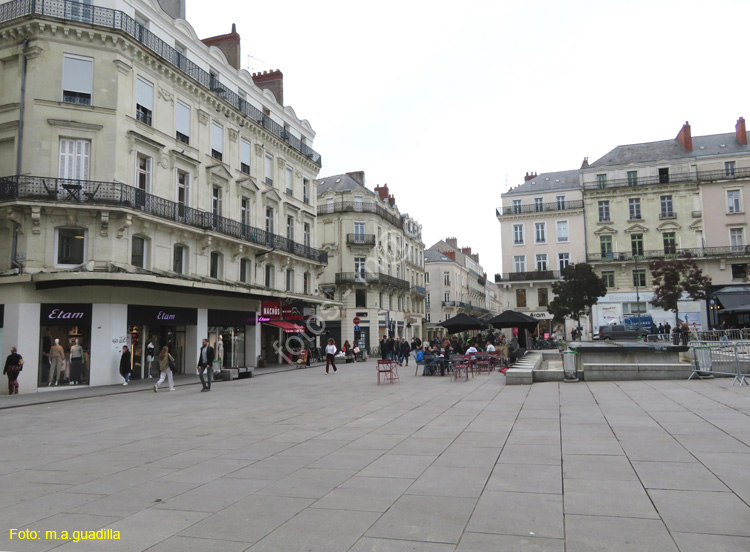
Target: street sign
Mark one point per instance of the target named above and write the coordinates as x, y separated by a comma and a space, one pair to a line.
356, 320
356, 327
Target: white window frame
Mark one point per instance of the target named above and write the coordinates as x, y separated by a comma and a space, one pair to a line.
74, 159
541, 262
289, 277
182, 120
146, 248
563, 260
734, 204
516, 206
538, 204
184, 186
78, 77
604, 213
519, 263
146, 172
144, 99
245, 156
289, 179
217, 140
269, 276
733, 234
217, 199
246, 265
540, 232
634, 204
518, 238
564, 236
268, 168
184, 258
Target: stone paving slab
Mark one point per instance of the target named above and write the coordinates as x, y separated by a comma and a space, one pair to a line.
295, 460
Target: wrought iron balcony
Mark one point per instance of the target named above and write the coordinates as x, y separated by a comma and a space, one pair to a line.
531, 276
469, 306
450, 303
419, 290
370, 278
676, 253
699, 176
113, 194
361, 207
361, 239
541, 208
73, 10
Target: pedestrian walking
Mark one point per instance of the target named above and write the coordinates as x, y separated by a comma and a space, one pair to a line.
56, 363
205, 360
125, 367
405, 350
331, 354
166, 362
13, 367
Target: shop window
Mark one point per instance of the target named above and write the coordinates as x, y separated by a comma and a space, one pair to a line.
70, 247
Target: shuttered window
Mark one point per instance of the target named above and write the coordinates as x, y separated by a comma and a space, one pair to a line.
74, 159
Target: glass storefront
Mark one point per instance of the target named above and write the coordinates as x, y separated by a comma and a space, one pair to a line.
65, 344
230, 326
149, 329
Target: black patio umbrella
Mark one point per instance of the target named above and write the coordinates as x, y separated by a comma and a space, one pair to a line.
462, 323
513, 319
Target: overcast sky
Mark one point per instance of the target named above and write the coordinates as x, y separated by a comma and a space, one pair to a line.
451, 103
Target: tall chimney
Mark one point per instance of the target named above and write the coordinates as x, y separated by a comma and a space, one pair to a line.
453, 242
585, 163
741, 132
229, 44
685, 138
529, 176
273, 81
382, 191
358, 177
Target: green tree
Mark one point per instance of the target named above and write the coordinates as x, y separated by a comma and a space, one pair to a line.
579, 289
675, 277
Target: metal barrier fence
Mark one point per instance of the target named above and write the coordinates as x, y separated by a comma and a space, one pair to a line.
719, 335
727, 358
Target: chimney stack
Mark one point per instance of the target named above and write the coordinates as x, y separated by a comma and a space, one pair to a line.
529, 176
466, 251
741, 132
358, 177
229, 44
585, 163
382, 191
685, 138
453, 242
450, 254
273, 81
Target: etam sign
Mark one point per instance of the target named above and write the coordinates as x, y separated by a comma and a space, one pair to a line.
65, 314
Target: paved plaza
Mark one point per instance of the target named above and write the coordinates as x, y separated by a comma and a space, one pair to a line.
303, 461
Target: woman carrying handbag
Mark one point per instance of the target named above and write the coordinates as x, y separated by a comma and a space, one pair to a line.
166, 365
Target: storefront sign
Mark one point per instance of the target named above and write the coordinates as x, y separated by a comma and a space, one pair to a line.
162, 316
541, 315
65, 314
291, 313
271, 309
263, 319
226, 318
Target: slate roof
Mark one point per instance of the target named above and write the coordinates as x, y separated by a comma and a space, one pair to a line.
340, 183
433, 256
547, 182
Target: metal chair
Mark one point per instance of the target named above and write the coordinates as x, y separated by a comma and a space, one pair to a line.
387, 371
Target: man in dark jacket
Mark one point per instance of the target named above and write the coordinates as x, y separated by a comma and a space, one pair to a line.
388, 348
405, 351
205, 359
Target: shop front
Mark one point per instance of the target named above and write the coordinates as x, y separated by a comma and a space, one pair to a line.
283, 333
152, 327
65, 344
227, 331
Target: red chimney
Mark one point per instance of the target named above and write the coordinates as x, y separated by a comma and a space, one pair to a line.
229, 44
450, 254
685, 138
529, 176
382, 191
741, 132
273, 81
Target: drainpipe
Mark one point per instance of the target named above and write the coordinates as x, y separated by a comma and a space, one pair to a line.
21, 105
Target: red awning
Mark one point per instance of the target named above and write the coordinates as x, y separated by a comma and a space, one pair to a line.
288, 327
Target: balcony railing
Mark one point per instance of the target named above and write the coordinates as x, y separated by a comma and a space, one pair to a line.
530, 276
469, 306
419, 290
70, 10
699, 176
541, 208
361, 207
113, 194
360, 239
698, 252
370, 278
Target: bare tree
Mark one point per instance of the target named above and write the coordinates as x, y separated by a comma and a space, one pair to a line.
675, 277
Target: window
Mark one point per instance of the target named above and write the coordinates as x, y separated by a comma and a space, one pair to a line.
178, 259
306, 190
359, 268
138, 252
636, 244
542, 297
560, 200
306, 234
516, 206
446, 278
670, 243
245, 156
639, 278
306, 283
664, 175
604, 211
290, 280
142, 179
359, 232
269, 276
183, 192
183, 123
269, 169
735, 239
605, 243
608, 277
245, 271
519, 263
289, 181
518, 234
540, 231
428, 317
562, 230
538, 204
361, 298
358, 203
290, 228
632, 178
601, 181
563, 260
541, 261
144, 107
520, 297
733, 201
739, 271
216, 265
245, 211
666, 206
78, 79
729, 168
428, 299
71, 246
447, 296
217, 141
269, 220
74, 159
427, 277
380, 300
216, 201
634, 204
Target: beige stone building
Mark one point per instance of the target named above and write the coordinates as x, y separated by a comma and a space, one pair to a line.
376, 262
152, 191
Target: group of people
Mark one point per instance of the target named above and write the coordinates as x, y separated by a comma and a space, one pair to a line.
437, 355
680, 333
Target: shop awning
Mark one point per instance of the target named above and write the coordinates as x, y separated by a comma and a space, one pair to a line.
288, 327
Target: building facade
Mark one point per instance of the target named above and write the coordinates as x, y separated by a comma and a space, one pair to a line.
542, 231
154, 191
376, 262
